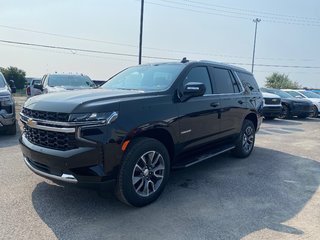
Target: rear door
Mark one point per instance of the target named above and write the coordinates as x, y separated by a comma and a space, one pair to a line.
233, 107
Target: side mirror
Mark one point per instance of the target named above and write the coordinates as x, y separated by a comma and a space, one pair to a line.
38, 86
193, 89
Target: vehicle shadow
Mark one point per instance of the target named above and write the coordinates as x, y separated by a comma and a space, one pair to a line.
9, 140
223, 197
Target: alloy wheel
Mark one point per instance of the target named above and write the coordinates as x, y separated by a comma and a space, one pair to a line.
248, 139
148, 173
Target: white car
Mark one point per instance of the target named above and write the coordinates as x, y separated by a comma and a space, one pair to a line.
313, 97
64, 82
31, 90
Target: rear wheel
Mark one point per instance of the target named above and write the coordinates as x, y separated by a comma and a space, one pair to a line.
144, 172
245, 142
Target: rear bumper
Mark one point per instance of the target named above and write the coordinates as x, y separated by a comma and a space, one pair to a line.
81, 165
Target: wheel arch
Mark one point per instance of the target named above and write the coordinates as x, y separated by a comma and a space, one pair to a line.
253, 118
161, 135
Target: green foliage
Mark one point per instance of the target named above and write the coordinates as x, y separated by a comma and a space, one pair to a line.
277, 80
15, 74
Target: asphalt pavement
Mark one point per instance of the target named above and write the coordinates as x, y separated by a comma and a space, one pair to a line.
273, 194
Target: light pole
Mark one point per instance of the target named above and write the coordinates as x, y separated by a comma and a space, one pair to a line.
141, 30
256, 21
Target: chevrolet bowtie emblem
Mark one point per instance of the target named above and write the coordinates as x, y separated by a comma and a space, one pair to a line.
31, 122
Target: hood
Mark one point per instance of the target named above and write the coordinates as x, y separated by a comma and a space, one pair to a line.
296, 100
269, 95
93, 100
4, 91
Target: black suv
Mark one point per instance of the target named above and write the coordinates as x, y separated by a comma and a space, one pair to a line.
141, 123
7, 107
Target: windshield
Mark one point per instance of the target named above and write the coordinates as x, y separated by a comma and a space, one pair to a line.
2, 81
280, 93
36, 82
74, 81
310, 94
295, 94
146, 78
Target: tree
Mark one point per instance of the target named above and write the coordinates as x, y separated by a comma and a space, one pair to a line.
15, 74
277, 80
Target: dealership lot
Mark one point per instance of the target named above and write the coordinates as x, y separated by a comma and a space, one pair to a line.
273, 194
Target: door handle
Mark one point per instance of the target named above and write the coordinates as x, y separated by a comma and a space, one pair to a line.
240, 102
214, 104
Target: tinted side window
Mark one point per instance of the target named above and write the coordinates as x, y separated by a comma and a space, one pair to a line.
199, 74
224, 83
248, 81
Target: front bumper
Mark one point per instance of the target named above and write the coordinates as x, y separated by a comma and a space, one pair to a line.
297, 110
81, 165
272, 111
7, 120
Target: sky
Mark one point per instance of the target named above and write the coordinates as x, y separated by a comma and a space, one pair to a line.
288, 35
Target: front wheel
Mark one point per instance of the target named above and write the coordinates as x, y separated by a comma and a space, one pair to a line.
144, 172
245, 142
315, 112
285, 113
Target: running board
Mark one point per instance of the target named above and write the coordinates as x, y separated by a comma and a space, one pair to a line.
203, 157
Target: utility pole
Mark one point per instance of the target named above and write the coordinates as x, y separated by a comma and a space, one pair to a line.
256, 21
141, 30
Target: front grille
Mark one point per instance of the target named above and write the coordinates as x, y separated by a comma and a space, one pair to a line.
43, 115
49, 139
272, 101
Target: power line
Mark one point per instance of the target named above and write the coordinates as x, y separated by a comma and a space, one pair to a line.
82, 50
146, 47
238, 16
134, 55
65, 52
255, 12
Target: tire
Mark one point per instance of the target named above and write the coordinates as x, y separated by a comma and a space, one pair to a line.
12, 130
285, 112
315, 112
245, 142
144, 172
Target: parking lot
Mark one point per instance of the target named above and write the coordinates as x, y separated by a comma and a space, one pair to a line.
273, 194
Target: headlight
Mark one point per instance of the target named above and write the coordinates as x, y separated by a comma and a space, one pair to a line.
107, 117
6, 101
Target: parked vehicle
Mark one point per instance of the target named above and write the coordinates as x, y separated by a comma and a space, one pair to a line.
31, 90
141, 123
272, 107
64, 82
304, 94
7, 107
291, 106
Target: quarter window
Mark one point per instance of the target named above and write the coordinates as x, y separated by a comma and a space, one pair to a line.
248, 81
199, 74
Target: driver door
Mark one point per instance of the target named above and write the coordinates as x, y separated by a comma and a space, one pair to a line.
199, 116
